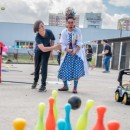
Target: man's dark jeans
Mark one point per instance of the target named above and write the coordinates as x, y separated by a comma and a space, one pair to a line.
41, 58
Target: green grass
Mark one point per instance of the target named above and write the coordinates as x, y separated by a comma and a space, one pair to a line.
24, 58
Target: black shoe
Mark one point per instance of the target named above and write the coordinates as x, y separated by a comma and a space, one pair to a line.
42, 89
106, 72
63, 89
34, 85
32, 73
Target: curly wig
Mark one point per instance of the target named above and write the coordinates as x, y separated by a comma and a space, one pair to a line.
69, 13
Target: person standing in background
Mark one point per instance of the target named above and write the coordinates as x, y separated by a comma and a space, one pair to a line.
89, 55
107, 54
59, 52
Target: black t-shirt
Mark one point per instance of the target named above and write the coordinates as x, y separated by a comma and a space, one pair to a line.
89, 52
108, 47
44, 40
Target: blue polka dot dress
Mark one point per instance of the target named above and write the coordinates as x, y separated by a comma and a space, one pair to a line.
72, 66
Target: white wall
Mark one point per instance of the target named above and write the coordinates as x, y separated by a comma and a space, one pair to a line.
10, 32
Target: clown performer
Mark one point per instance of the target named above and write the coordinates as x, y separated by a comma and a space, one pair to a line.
73, 62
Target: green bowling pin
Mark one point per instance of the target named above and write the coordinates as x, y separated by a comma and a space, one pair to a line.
54, 94
40, 123
83, 119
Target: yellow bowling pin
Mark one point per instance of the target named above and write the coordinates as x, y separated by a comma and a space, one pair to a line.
19, 124
83, 119
40, 123
54, 95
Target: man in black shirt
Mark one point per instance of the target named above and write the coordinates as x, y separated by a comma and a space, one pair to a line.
107, 55
59, 52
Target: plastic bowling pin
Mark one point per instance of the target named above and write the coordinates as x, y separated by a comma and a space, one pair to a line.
113, 125
61, 124
19, 124
100, 118
40, 123
54, 95
50, 122
67, 117
83, 119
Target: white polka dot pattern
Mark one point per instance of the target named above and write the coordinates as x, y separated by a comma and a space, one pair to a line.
71, 68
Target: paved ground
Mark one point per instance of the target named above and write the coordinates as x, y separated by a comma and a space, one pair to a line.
19, 100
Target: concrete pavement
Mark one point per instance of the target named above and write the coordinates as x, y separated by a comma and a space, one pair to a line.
19, 100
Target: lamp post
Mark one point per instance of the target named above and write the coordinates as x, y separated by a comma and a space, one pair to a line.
121, 26
121, 31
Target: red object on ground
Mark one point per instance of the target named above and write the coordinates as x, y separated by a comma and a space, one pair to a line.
100, 118
113, 125
50, 121
1, 46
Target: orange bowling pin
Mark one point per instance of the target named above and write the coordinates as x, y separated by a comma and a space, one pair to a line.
113, 125
100, 118
50, 122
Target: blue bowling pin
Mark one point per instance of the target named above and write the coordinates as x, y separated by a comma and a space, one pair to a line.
61, 124
67, 117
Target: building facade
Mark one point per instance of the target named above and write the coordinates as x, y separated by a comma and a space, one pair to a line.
59, 19
120, 53
92, 20
20, 36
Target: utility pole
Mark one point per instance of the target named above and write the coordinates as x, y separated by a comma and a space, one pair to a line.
121, 31
120, 26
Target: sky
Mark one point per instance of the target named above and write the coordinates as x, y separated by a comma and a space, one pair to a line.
28, 11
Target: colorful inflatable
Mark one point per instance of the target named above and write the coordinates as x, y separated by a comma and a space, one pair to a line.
4, 51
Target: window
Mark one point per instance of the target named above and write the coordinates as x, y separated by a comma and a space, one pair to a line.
24, 45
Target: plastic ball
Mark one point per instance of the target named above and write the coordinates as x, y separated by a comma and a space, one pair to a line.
75, 102
2, 8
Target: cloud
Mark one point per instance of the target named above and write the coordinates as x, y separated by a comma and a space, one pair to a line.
110, 21
24, 11
28, 11
121, 3
80, 6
